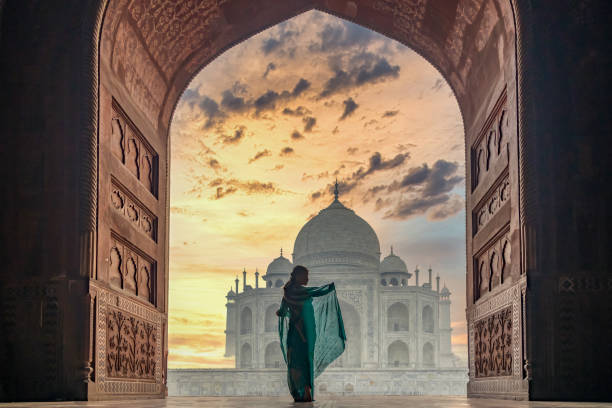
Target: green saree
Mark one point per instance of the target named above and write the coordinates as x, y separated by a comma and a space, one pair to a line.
311, 334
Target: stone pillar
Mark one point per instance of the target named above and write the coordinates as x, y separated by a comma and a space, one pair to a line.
237, 285
256, 279
244, 280
438, 283
416, 274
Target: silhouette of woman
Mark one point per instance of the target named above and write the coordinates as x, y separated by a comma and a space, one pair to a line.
311, 332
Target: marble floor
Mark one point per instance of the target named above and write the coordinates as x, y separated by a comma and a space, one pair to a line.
329, 402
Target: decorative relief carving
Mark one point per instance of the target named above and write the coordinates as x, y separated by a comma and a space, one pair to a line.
131, 351
493, 344
147, 323
491, 143
131, 270
492, 266
353, 297
485, 211
133, 210
132, 149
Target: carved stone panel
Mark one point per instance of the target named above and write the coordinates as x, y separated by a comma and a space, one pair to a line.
484, 212
130, 147
492, 265
493, 344
133, 210
491, 142
130, 346
131, 270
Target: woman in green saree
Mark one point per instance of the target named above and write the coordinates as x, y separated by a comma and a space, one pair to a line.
311, 332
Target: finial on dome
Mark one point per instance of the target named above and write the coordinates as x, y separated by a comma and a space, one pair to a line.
336, 189
281, 251
391, 249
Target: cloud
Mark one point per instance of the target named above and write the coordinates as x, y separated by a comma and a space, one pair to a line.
390, 113
267, 101
277, 167
448, 209
299, 111
212, 111
286, 151
349, 107
271, 67
352, 150
272, 44
361, 69
309, 123
259, 155
300, 87
335, 37
233, 103
377, 163
414, 206
438, 84
436, 180
249, 187
296, 135
238, 135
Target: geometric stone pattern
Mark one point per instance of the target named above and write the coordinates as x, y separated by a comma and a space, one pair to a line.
492, 265
488, 208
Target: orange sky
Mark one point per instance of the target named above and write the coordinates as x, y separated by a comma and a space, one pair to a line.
259, 137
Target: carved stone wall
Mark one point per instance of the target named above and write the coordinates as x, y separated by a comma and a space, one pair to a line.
492, 265
131, 270
133, 210
493, 345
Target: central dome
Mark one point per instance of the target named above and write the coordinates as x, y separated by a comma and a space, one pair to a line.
336, 236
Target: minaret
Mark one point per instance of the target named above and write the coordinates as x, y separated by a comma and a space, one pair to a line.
438, 283
257, 279
336, 190
244, 279
430, 283
416, 274
445, 328
237, 284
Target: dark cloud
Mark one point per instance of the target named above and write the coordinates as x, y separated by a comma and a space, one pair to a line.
436, 180
190, 96
390, 113
315, 196
370, 123
231, 102
212, 111
300, 87
361, 69
377, 163
225, 187
450, 208
259, 155
352, 150
275, 43
296, 135
214, 164
341, 80
335, 37
349, 107
309, 123
266, 101
299, 111
380, 71
286, 151
271, 67
414, 206
238, 135
336, 130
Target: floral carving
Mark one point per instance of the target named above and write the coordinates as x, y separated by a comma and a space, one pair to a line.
493, 345
131, 346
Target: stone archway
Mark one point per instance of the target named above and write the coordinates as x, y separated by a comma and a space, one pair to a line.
128, 61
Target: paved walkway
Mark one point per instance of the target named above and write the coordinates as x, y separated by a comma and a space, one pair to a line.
328, 402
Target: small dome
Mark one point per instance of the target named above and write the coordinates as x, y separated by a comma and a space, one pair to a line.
279, 266
445, 291
393, 264
231, 293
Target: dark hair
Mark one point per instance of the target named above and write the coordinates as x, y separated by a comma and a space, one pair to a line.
297, 270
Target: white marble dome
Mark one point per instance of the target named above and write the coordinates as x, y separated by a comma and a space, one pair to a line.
393, 264
279, 266
336, 236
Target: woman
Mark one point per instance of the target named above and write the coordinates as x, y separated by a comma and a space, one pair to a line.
312, 333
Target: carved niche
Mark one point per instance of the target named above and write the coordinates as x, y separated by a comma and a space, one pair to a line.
491, 142
492, 265
484, 212
131, 270
130, 147
133, 210
493, 345
130, 347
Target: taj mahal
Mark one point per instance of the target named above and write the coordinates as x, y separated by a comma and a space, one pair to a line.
398, 327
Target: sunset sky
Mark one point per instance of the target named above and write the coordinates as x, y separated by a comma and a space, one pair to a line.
258, 139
